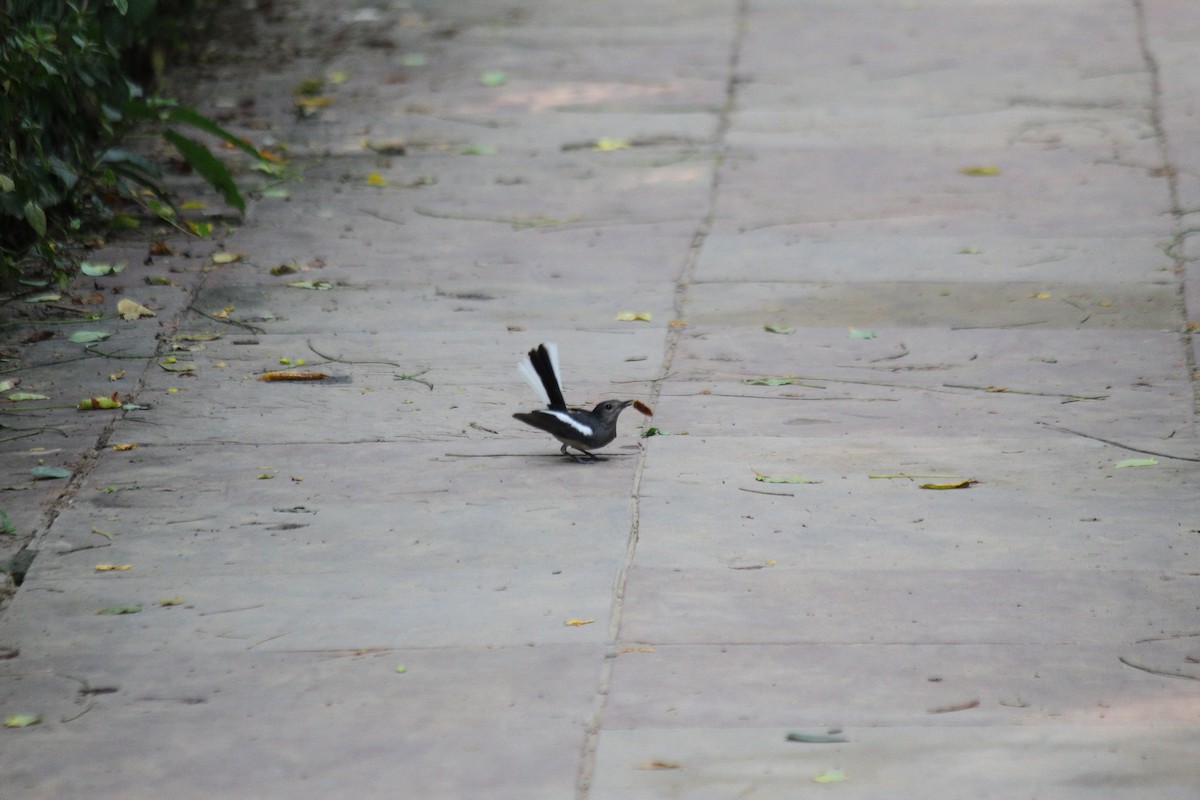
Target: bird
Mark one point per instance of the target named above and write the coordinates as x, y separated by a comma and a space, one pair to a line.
575, 427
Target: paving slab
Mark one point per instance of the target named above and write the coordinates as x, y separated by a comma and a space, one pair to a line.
976, 219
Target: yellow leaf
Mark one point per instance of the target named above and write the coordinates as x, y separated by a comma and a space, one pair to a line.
314, 102
375, 179
123, 447
193, 205
227, 258
830, 776
607, 145
173, 390
21, 720
965, 483
575, 623
678, 323
980, 170
1041, 295
113, 567
338, 77
132, 309
265, 477
116, 376
633, 316
171, 601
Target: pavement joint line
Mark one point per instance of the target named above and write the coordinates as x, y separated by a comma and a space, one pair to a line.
587, 765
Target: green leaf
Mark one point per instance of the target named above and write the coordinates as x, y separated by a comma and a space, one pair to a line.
770, 381
7, 184
208, 166
784, 329
21, 720
830, 776
855, 333
493, 78
1135, 462
20, 397
43, 472
192, 117
35, 216
98, 270
47, 297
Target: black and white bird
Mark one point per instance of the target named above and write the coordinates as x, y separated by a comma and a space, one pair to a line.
575, 427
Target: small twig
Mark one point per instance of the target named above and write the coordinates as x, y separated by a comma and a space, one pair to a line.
340, 360
1152, 671
91, 348
86, 708
479, 427
1006, 390
760, 491
227, 320
81, 548
1117, 444
268, 639
1168, 638
230, 610
903, 352
415, 378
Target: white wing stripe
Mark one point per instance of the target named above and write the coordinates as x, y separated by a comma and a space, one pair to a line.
568, 419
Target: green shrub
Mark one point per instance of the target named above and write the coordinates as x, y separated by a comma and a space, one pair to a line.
65, 103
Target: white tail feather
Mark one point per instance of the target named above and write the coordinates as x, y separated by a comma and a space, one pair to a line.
526, 371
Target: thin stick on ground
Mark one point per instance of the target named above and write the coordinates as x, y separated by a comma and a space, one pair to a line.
1130, 448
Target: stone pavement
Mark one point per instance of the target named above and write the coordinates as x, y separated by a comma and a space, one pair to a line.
975, 219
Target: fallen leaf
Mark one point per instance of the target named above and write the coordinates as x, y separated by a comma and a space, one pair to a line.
815, 738
195, 336
201, 229
830, 776
42, 472
855, 333
678, 323
770, 380
131, 310
48, 297
9, 383
338, 76
118, 610
37, 336
633, 316
1040, 295
1135, 462
193, 205
227, 257
293, 375
113, 567
171, 601
171, 364
21, 397
758, 476
401, 669
607, 145
658, 764
124, 447
375, 179
161, 249
494, 78
575, 623
980, 169
116, 376
97, 270
21, 720
158, 280
784, 329
100, 403
89, 337
965, 483
955, 707
283, 269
